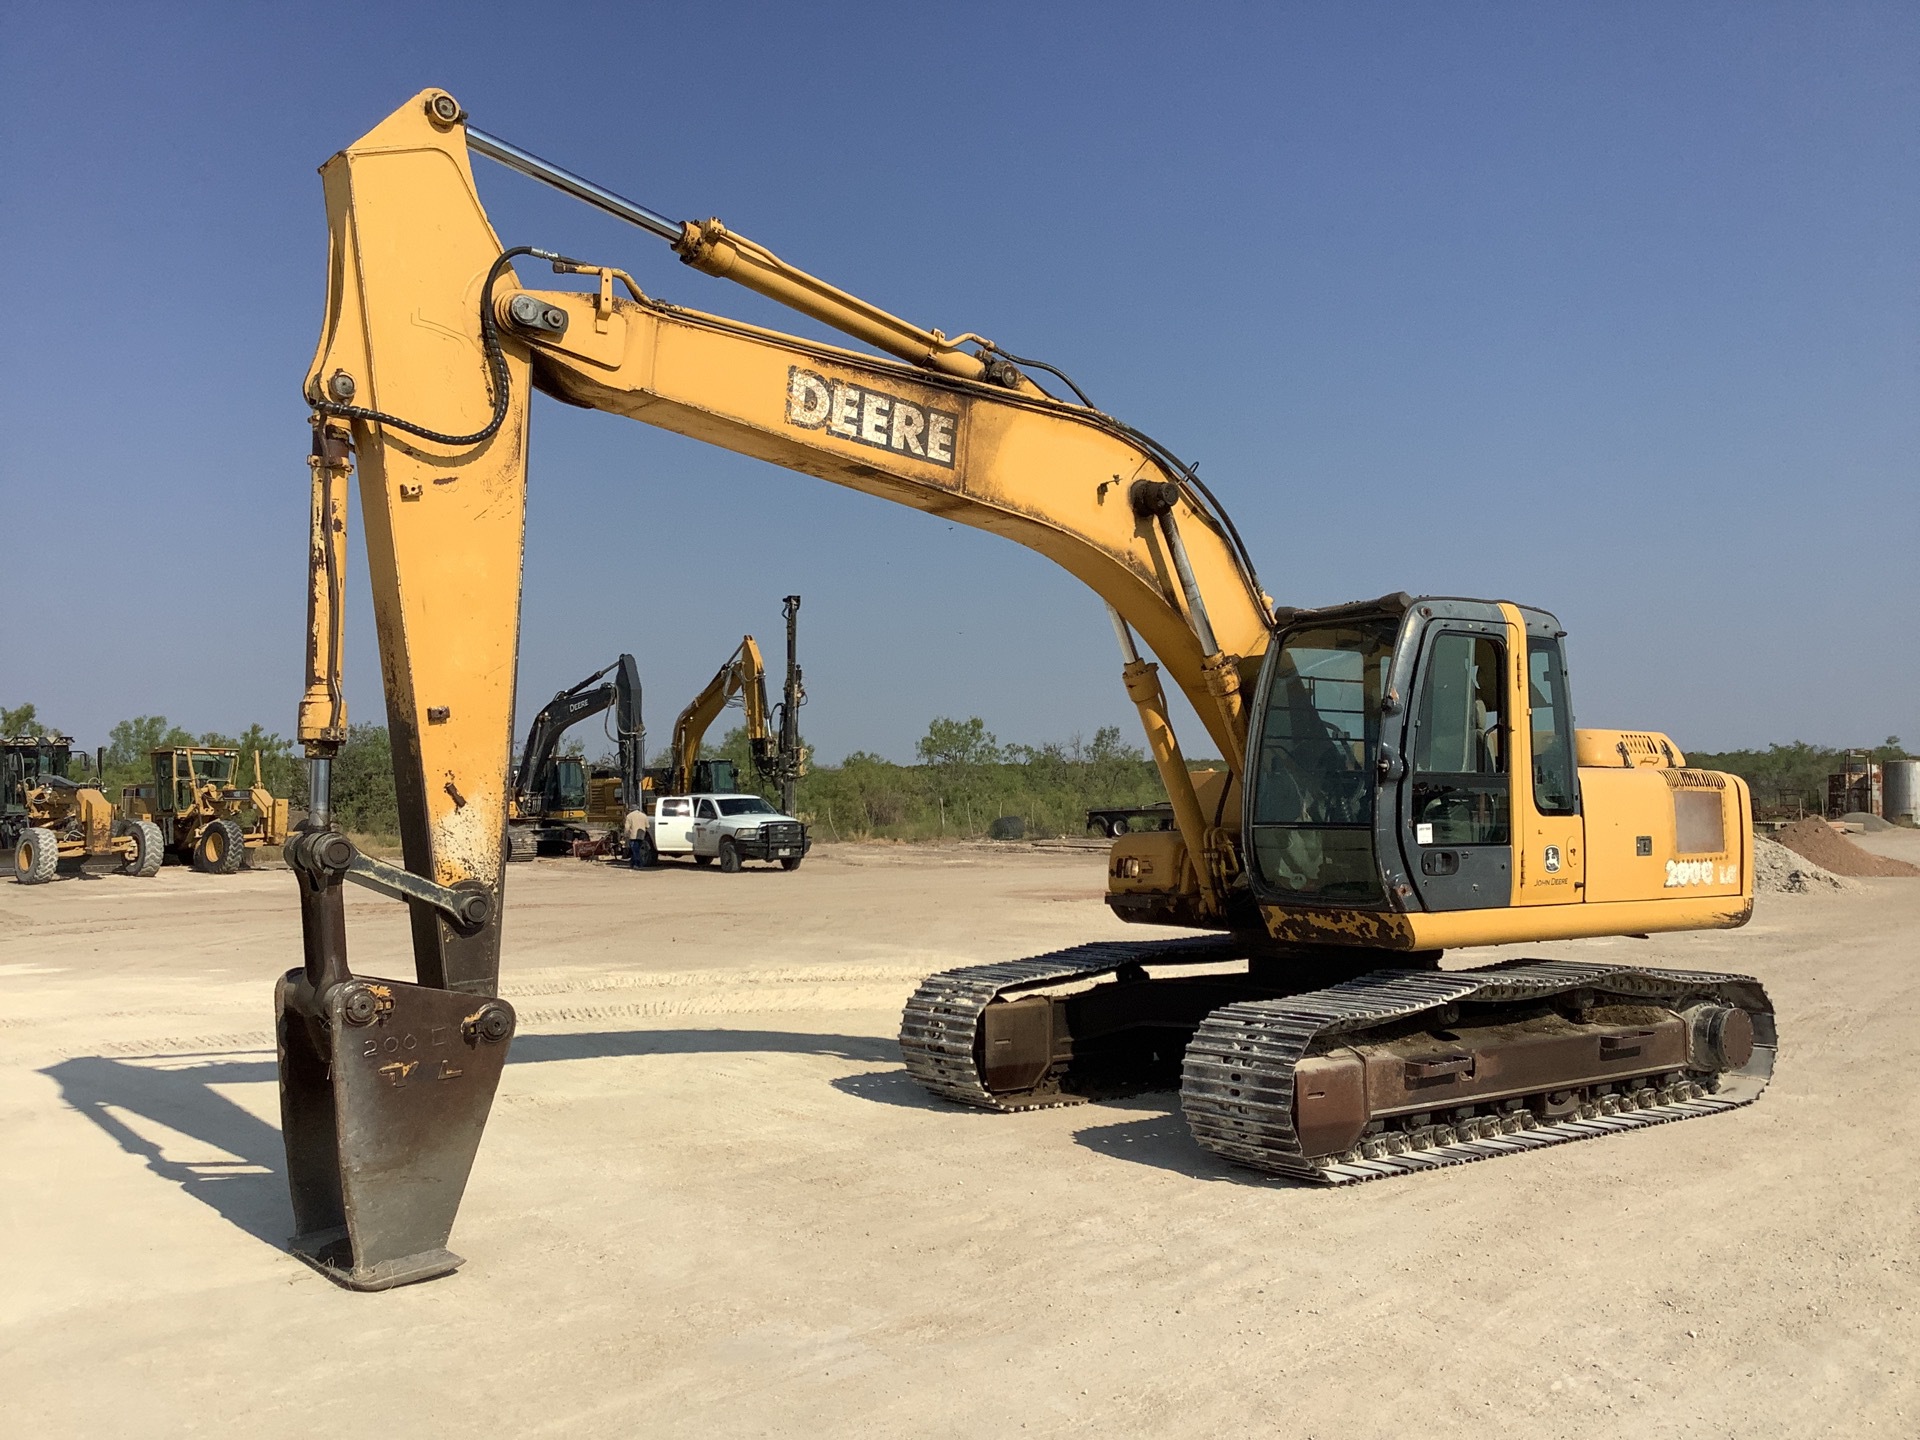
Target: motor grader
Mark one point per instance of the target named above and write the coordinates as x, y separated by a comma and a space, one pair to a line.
203, 818
1403, 776
54, 821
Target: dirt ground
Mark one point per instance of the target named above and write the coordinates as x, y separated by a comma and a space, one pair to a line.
711, 1203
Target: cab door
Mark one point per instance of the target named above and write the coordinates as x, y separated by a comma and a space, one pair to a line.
706, 827
1456, 801
673, 825
1551, 829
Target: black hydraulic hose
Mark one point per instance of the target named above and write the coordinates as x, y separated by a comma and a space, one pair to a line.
1053, 370
1215, 510
501, 380
1167, 457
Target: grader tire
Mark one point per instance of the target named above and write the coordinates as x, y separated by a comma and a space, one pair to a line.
220, 849
36, 857
148, 850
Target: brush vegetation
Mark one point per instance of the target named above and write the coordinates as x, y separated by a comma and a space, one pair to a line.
965, 780
1788, 780
965, 777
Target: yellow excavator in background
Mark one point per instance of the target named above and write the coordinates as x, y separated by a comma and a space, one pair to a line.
772, 741
685, 772
1403, 775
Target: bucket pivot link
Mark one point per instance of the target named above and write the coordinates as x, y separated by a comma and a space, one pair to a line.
384, 1087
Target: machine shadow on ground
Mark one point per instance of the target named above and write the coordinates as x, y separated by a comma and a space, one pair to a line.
1161, 1140
893, 1087
249, 1188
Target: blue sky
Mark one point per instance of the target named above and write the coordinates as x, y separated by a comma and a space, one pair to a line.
1605, 308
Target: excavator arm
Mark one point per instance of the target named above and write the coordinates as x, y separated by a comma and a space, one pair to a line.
430, 348
423, 371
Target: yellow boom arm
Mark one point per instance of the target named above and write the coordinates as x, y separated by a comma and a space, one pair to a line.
429, 350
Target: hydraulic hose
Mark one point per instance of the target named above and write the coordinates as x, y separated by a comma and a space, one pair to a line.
501, 382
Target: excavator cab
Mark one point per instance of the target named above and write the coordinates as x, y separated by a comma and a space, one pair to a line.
565, 796
1390, 737
1415, 782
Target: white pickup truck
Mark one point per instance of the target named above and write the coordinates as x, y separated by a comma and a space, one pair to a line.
727, 828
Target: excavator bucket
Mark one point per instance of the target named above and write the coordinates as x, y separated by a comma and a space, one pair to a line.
384, 1094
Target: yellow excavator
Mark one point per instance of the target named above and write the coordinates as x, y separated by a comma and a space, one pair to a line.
1403, 775
685, 772
772, 740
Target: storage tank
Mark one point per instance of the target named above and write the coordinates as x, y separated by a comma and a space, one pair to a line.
1900, 791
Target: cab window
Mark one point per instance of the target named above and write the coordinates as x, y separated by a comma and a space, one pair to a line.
569, 785
1460, 794
707, 812
1555, 790
215, 769
676, 809
1318, 748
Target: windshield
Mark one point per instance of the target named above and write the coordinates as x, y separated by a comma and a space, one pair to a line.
747, 805
569, 785
1319, 742
216, 769
45, 760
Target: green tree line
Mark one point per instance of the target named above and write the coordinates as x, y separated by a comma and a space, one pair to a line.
965, 779
1788, 779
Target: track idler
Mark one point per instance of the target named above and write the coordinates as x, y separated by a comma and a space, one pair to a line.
384, 1094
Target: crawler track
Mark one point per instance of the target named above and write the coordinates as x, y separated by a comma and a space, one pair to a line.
939, 1031
1237, 1081
1237, 1084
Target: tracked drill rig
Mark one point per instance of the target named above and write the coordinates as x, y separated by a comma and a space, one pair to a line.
1403, 775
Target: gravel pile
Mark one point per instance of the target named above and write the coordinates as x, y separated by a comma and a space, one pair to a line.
1866, 822
1778, 871
1815, 840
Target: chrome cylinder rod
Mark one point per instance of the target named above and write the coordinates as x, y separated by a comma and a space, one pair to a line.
1129, 651
319, 791
1183, 567
581, 188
